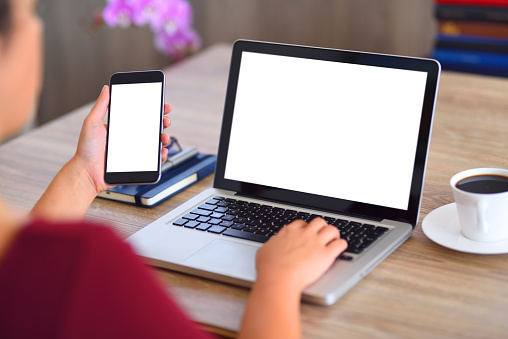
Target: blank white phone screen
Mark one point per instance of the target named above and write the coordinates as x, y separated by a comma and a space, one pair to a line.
334, 129
134, 127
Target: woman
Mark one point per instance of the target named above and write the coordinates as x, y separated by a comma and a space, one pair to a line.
62, 277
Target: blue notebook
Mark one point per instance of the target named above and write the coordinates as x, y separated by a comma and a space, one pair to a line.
172, 182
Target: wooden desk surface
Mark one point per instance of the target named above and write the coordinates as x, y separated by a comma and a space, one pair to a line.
421, 290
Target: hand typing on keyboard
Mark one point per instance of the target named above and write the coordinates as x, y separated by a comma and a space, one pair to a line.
301, 252
288, 262
257, 222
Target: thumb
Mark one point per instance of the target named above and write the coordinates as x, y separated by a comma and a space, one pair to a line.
101, 106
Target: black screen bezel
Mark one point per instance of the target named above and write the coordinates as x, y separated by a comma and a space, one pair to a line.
431, 67
146, 177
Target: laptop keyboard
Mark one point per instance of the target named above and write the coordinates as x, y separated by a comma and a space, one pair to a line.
258, 222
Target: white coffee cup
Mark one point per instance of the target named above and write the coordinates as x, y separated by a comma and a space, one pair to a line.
482, 216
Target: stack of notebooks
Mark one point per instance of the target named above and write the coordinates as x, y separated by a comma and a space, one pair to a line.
473, 36
183, 169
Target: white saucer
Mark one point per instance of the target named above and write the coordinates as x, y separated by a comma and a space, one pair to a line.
442, 226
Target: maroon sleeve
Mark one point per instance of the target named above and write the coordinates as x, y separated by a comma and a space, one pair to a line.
81, 281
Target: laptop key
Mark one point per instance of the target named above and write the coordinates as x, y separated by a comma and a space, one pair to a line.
238, 226
246, 235
354, 237
354, 223
253, 222
278, 223
265, 224
207, 207
355, 250
214, 221
232, 212
250, 229
275, 228
199, 211
212, 201
256, 216
226, 223
291, 218
216, 215
372, 234
180, 222
243, 214
380, 230
220, 209
203, 227
228, 217
216, 229
329, 220
201, 219
191, 224
263, 231
190, 216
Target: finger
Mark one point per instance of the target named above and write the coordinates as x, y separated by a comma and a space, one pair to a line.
297, 223
317, 224
101, 106
328, 233
166, 121
294, 225
164, 155
336, 247
167, 108
165, 139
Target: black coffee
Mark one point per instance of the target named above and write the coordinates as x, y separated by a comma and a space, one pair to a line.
484, 184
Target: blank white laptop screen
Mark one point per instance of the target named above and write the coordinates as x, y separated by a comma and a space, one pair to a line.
334, 129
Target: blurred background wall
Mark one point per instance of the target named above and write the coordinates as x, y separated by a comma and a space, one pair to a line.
79, 60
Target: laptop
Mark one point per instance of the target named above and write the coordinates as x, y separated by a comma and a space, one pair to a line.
307, 132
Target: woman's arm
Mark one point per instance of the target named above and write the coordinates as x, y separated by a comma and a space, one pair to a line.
79, 181
69, 195
290, 261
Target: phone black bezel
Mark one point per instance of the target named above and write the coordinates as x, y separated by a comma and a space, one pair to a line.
334, 205
131, 178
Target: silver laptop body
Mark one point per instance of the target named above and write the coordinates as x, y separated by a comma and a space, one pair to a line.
339, 134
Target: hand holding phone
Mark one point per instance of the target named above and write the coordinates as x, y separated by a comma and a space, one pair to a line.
135, 125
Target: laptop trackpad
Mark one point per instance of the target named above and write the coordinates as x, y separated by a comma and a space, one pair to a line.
226, 257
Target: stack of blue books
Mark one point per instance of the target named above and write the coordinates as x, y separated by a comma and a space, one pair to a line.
178, 173
472, 36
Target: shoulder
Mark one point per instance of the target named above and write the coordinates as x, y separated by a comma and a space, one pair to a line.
42, 242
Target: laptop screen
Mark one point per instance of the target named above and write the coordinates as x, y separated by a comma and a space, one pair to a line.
329, 128
335, 129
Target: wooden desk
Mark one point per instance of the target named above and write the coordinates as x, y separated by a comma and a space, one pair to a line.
421, 290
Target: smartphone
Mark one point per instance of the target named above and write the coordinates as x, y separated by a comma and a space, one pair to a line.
136, 110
